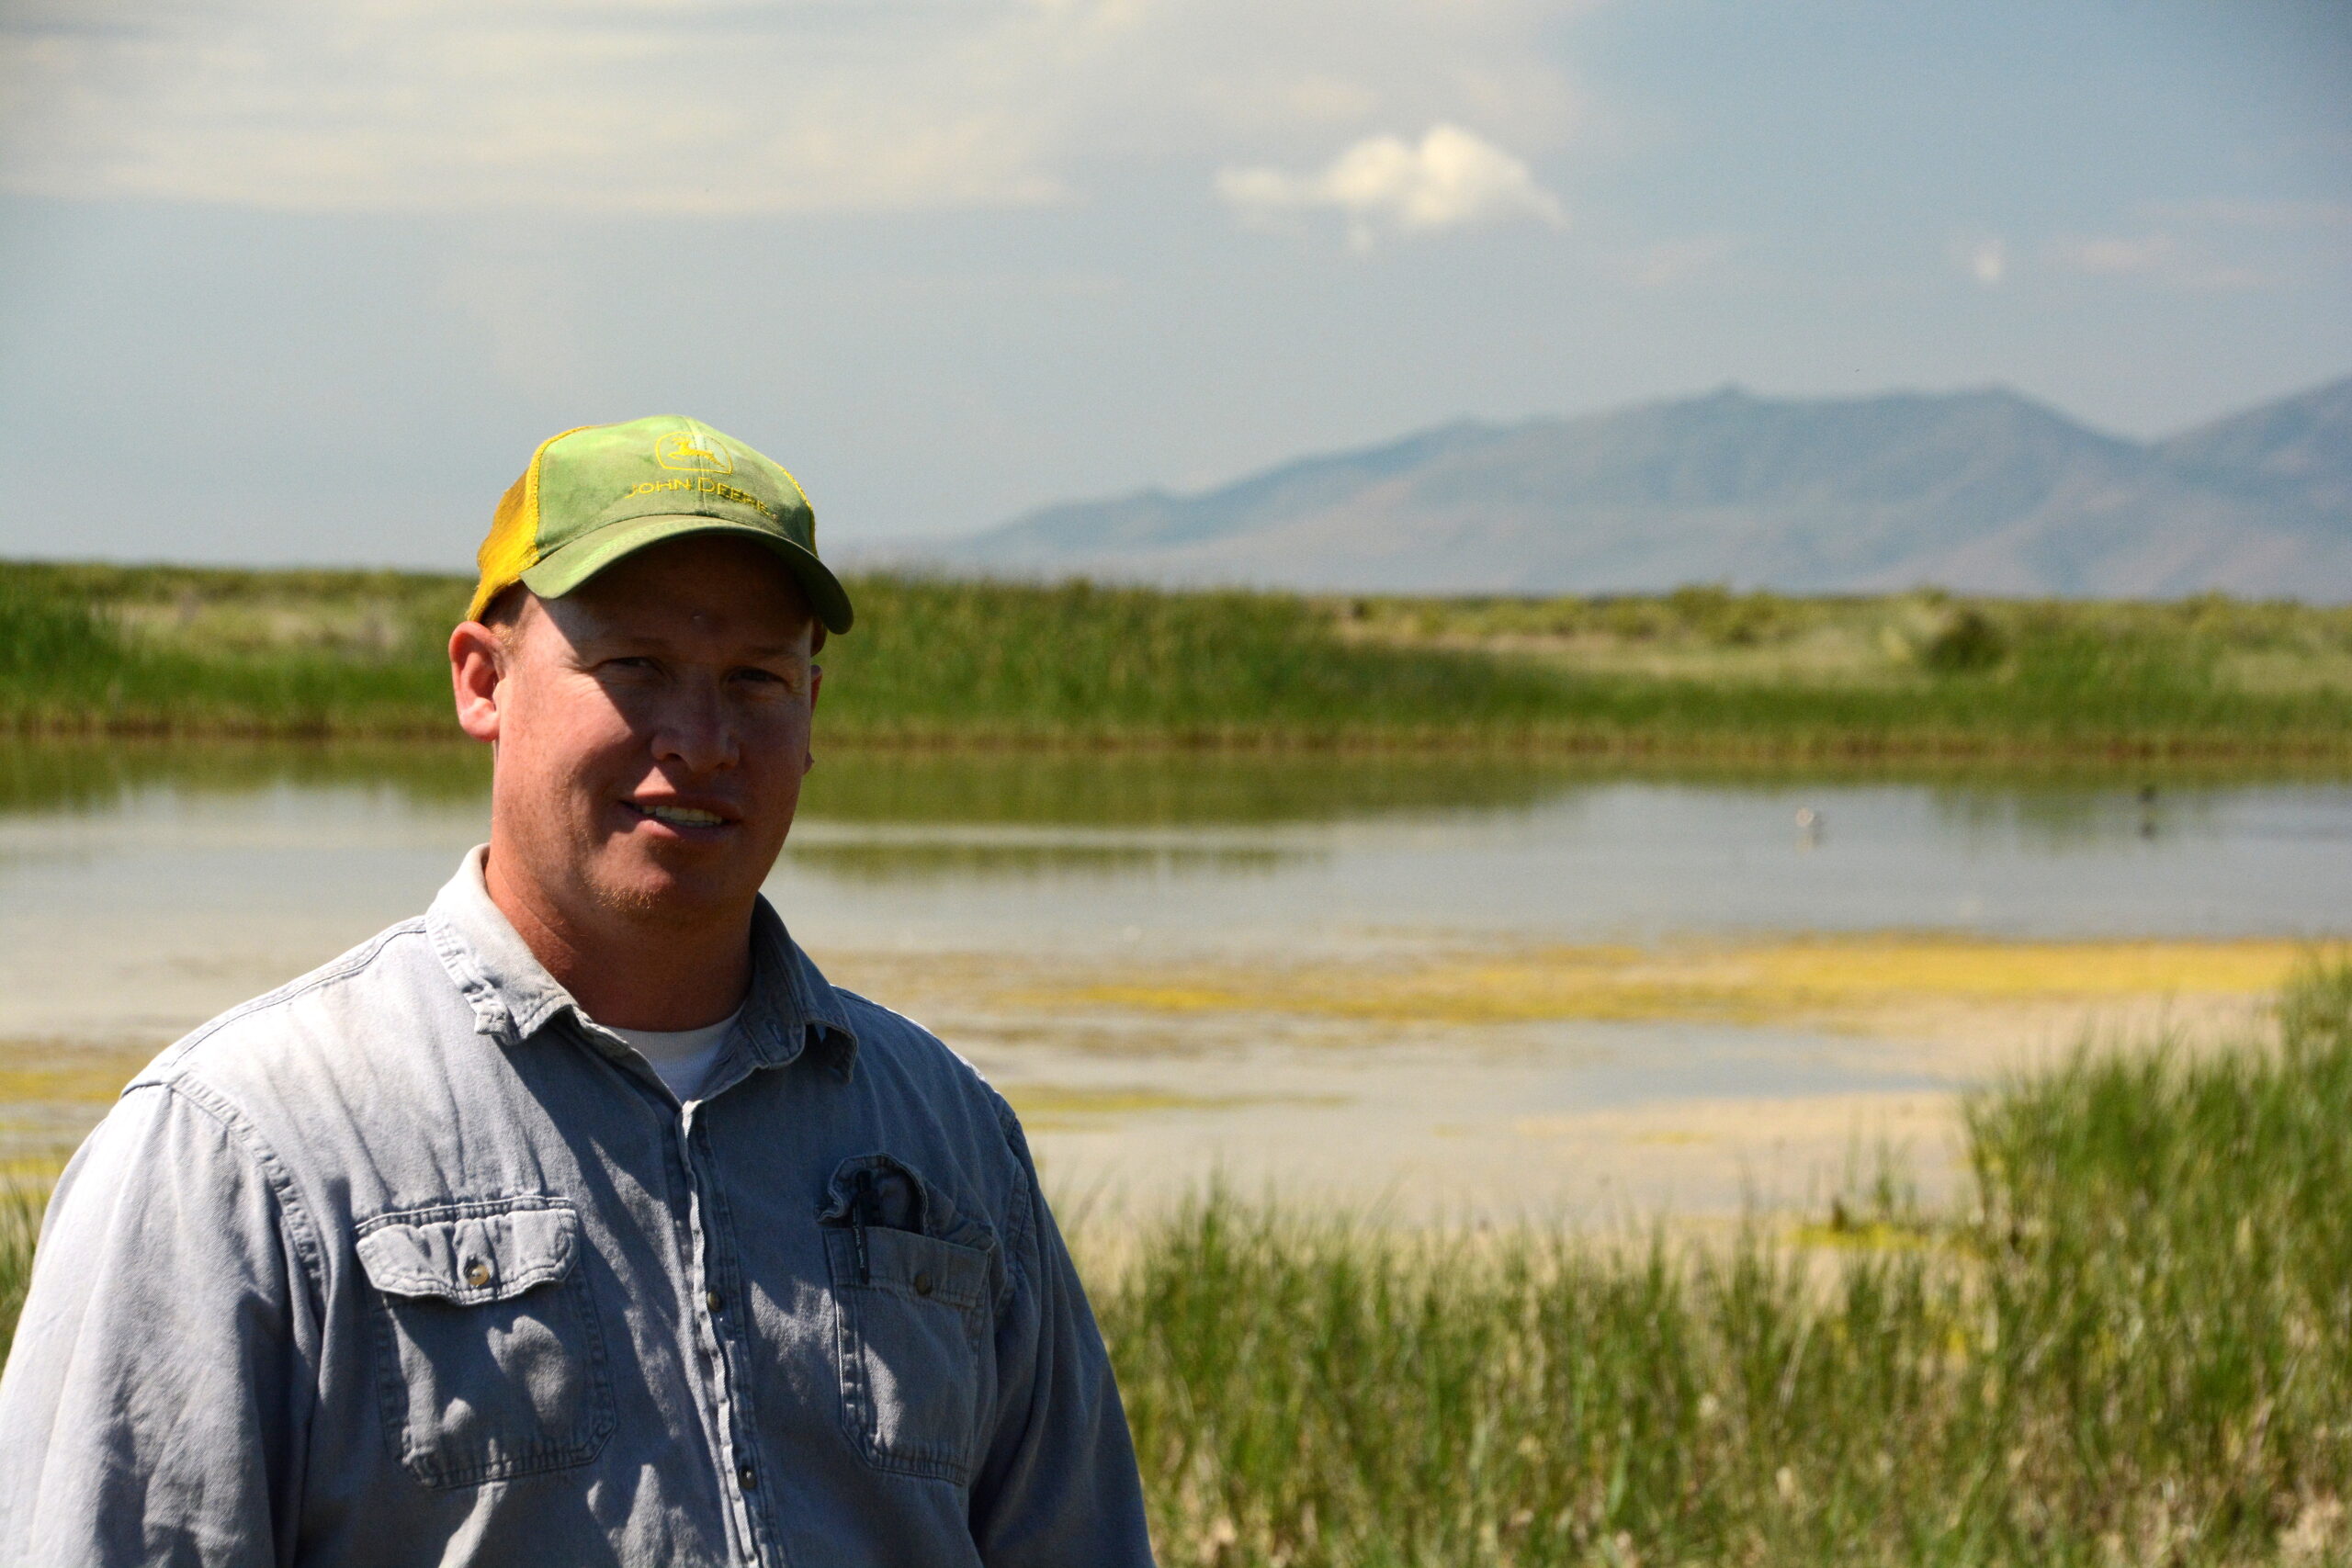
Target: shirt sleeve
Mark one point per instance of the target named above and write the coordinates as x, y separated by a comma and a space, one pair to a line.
149, 1412
1060, 1484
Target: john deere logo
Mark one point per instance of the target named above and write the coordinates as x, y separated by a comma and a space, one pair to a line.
692, 452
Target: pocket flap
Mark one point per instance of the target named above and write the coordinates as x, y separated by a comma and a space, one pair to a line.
918, 1268
471, 1253
884, 1191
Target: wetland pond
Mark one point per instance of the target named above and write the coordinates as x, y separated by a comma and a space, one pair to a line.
1432, 986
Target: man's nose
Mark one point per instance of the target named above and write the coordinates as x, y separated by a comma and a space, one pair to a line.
696, 728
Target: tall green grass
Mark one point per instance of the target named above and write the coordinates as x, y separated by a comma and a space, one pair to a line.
2132, 1343
181, 651
2133, 1346
942, 660
69, 666
20, 1206
935, 659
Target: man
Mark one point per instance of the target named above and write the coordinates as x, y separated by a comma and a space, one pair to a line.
578, 1221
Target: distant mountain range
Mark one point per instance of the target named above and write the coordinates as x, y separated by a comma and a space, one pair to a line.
1981, 492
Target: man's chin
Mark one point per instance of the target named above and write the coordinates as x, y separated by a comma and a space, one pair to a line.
656, 889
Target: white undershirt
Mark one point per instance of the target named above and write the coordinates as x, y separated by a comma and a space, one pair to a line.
685, 1057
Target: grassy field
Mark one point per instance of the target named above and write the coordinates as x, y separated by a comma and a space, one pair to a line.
2131, 1344
1696, 674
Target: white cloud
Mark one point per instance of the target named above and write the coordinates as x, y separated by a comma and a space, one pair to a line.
645, 107
1986, 259
1452, 179
2198, 262
726, 106
2110, 254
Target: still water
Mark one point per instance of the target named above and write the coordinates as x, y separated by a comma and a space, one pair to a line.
143, 889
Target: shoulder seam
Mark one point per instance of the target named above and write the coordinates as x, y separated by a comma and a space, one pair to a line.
1016, 1144
309, 1244
343, 968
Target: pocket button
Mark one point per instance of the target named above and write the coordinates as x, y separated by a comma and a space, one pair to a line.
923, 1284
477, 1273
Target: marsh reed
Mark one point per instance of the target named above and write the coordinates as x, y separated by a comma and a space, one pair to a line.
2131, 1345
1698, 674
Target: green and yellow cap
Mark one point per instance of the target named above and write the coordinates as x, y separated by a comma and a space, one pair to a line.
603, 491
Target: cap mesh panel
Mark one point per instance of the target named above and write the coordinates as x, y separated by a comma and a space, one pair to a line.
512, 545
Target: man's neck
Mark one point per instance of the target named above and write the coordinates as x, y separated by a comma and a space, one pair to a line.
630, 970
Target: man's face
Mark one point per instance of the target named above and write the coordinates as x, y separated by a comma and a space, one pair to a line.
652, 729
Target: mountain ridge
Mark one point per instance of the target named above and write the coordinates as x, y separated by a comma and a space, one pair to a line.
1982, 490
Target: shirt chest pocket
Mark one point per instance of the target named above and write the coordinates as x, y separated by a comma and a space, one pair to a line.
912, 1342
490, 1360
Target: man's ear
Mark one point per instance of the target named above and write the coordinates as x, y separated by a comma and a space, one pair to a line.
816, 684
476, 666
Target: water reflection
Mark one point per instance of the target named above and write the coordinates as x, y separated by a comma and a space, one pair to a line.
979, 786
1033, 907
84, 776
1179, 788
2084, 818
1196, 847
892, 859
1170, 789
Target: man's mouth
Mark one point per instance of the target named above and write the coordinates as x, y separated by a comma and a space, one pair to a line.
680, 816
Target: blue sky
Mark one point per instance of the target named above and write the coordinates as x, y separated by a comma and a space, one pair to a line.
305, 279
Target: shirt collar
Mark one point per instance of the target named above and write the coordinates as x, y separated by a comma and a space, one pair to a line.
791, 1006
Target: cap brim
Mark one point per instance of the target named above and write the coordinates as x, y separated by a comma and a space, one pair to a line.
584, 557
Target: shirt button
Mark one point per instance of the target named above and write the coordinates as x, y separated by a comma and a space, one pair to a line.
477, 1273
923, 1284
744, 1474
714, 1301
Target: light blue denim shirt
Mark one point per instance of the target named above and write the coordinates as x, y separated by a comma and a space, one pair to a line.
409, 1262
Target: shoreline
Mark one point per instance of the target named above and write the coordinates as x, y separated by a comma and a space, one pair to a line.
1863, 750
